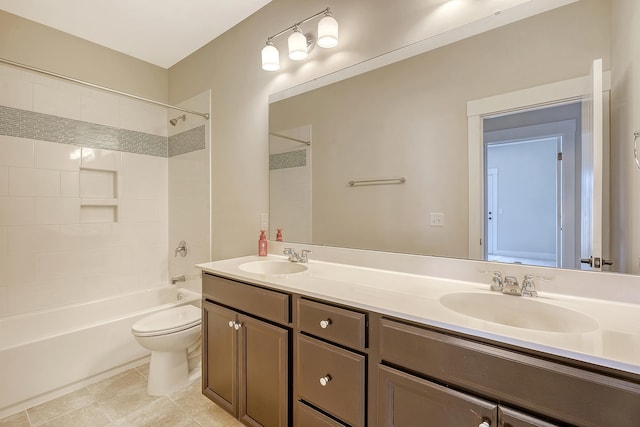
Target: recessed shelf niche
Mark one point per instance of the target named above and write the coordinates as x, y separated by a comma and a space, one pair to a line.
98, 196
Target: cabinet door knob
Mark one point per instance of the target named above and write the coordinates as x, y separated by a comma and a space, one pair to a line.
485, 424
237, 326
231, 323
325, 380
325, 323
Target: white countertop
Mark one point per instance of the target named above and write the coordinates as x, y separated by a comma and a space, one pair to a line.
614, 343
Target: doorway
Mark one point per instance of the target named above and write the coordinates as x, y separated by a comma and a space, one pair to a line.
531, 188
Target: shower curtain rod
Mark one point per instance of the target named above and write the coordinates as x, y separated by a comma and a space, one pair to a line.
106, 89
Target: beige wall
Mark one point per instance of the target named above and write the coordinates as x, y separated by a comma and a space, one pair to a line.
43, 47
230, 67
625, 183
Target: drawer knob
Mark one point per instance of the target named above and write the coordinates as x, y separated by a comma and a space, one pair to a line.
324, 324
231, 323
485, 424
237, 326
325, 380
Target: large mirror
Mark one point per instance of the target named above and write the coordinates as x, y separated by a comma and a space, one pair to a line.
382, 160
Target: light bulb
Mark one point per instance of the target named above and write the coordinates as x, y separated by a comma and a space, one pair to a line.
328, 31
270, 57
297, 45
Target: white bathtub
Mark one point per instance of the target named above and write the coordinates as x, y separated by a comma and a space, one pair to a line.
52, 352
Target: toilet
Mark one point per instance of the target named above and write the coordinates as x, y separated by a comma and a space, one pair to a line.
173, 337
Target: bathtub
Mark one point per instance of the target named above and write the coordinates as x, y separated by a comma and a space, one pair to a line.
53, 352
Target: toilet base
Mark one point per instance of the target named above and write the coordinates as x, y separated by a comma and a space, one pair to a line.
169, 372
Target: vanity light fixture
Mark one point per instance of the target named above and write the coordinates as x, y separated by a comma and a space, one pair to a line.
300, 44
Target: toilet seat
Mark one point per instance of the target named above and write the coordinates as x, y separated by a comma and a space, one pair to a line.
168, 321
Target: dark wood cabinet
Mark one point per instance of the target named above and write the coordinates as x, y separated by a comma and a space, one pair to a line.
409, 401
328, 365
220, 348
246, 366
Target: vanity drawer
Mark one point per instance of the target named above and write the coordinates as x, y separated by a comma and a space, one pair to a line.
309, 417
260, 302
559, 391
343, 394
335, 324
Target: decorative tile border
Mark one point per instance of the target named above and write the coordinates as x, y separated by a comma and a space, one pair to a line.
45, 127
291, 159
187, 141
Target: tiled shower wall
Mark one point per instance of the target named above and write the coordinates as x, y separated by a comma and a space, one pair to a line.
81, 216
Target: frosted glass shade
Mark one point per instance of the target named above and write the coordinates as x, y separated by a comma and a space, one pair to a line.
270, 58
297, 45
328, 32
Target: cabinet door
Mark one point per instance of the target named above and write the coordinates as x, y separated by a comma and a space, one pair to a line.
512, 418
263, 373
220, 375
408, 401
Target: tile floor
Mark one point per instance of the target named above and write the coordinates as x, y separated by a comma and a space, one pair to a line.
122, 400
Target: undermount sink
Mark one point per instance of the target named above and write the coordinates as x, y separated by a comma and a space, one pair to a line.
273, 268
518, 312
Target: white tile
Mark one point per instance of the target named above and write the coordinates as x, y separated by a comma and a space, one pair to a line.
4, 181
136, 210
16, 151
83, 236
140, 165
98, 214
100, 107
94, 158
100, 262
56, 211
16, 210
57, 265
34, 239
16, 93
16, 270
34, 182
69, 184
97, 184
56, 101
53, 155
140, 187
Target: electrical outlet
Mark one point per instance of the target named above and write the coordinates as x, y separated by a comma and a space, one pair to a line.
437, 220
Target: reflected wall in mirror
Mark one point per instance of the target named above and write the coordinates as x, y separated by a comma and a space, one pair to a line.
409, 119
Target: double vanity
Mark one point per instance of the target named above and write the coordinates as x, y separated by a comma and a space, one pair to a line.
326, 344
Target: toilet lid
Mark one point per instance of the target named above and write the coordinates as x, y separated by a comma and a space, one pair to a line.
168, 321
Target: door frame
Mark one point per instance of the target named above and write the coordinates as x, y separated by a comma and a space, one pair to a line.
571, 90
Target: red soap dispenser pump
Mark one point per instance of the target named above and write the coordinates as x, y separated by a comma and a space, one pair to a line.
262, 244
279, 235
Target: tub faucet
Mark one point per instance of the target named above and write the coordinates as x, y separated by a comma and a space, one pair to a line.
175, 280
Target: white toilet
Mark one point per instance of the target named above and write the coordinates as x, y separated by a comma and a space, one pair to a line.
173, 337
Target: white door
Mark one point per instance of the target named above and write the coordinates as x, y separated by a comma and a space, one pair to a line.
591, 200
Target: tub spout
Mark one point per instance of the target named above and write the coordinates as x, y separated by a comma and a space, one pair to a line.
175, 280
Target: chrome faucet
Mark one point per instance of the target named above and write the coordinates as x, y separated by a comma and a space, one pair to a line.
497, 281
303, 256
181, 249
529, 286
511, 286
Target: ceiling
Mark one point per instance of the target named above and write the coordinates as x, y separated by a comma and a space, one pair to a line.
161, 32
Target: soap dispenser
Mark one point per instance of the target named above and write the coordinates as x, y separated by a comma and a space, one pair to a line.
279, 235
262, 244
